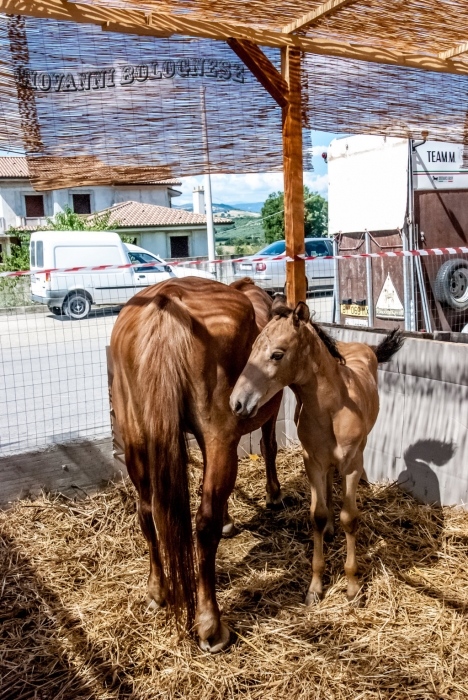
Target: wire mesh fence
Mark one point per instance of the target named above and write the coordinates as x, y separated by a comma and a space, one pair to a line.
55, 326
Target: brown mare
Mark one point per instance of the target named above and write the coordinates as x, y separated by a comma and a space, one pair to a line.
178, 348
338, 403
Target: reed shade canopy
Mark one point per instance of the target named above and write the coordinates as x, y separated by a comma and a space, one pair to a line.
92, 107
113, 90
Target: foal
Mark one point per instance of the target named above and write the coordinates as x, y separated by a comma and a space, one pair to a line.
336, 388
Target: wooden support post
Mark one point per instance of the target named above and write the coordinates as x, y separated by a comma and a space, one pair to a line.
293, 178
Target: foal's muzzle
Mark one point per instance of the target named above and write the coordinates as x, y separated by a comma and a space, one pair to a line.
243, 404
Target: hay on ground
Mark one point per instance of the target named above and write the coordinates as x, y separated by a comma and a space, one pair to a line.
74, 624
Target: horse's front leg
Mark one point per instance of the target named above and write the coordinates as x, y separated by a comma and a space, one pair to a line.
218, 482
349, 518
317, 472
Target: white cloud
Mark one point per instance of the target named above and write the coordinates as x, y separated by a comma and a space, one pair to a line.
252, 187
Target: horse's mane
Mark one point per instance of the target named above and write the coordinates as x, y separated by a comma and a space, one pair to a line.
281, 309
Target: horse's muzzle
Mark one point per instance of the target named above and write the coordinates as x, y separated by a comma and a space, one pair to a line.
243, 404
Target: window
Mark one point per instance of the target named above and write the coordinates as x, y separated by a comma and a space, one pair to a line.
40, 253
34, 205
137, 257
33, 254
317, 248
82, 203
179, 247
276, 248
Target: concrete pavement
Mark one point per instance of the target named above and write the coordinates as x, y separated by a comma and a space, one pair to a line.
53, 379
53, 376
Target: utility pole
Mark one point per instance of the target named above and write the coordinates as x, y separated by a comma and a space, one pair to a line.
208, 200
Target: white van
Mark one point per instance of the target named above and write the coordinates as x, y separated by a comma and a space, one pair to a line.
73, 293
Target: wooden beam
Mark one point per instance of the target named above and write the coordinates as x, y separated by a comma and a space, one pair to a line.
262, 68
456, 51
293, 178
133, 21
327, 8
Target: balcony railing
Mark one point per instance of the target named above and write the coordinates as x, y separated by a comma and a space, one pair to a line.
31, 221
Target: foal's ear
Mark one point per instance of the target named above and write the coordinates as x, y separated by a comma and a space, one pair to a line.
301, 313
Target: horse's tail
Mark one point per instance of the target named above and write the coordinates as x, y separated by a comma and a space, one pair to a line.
164, 375
389, 346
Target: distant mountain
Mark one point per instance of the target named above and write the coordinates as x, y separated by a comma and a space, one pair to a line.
218, 208
248, 206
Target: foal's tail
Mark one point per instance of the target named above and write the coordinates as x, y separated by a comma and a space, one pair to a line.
164, 362
389, 346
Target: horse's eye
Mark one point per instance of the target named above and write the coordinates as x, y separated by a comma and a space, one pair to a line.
277, 356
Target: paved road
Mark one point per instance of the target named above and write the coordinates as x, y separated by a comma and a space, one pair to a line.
53, 376
53, 380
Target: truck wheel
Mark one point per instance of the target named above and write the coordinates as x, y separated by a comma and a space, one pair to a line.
451, 284
77, 306
56, 310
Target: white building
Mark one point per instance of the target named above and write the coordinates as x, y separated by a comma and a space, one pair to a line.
22, 207
170, 233
142, 211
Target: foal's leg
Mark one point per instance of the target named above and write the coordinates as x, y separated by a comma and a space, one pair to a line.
320, 516
269, 450
156, 588
218, 482
349, 517
329, 531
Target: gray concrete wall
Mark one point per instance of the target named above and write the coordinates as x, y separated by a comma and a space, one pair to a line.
420, 438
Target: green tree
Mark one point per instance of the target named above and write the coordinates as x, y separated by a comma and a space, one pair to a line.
68, 220
315, 214
19, 256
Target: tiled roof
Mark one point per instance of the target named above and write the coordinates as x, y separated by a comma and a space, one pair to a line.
16, 166
13, 166
135, 214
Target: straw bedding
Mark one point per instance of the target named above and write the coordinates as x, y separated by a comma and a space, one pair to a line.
74, 624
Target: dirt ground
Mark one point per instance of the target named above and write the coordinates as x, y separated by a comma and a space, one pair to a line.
74, 623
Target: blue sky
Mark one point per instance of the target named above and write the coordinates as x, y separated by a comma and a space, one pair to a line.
256, 187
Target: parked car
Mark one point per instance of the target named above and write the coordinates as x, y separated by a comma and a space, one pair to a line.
271, 274
74, 293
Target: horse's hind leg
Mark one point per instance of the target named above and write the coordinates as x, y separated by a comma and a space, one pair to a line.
349, 517
269, 450
156, 588
329, 532
218, 482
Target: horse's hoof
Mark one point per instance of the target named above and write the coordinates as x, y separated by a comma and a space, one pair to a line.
312, 598
276, 503
152, 604
230, 530
329, 534
356, 598
217, 643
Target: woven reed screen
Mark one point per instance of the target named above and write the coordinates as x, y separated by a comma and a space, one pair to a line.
94, 108
91, 107
411, 25
348, 96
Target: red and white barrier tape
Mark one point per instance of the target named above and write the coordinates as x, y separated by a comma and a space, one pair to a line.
109, 268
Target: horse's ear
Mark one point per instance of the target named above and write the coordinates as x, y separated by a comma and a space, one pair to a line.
301, 313
280, 306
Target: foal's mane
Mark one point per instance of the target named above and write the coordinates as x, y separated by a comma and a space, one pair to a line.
282, 310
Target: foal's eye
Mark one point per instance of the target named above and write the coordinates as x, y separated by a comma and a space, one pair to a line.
277, 356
